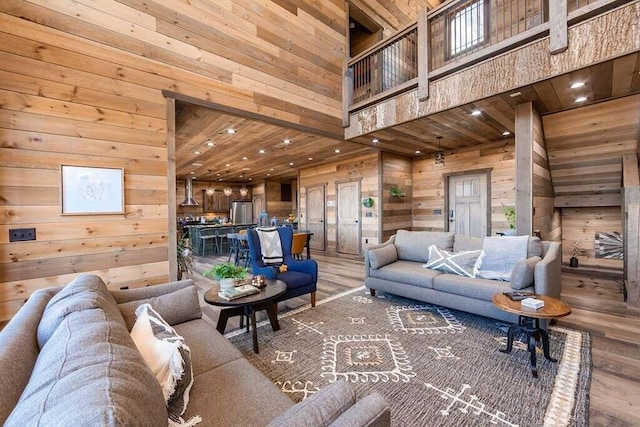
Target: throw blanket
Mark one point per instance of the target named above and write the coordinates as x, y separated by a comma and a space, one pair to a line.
270, 246
501, 256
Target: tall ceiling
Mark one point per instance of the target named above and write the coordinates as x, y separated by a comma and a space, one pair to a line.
236, 157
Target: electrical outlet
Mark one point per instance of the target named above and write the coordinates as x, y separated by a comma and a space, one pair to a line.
22, 234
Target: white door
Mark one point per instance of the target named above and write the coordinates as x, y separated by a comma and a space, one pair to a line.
468, 204
257, 207
349, 217
316, 216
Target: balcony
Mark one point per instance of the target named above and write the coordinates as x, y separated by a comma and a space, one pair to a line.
455, 36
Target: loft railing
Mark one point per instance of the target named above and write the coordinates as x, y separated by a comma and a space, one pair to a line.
388, 65
456, 35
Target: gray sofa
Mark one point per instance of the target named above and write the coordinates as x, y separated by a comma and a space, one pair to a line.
66, 358
402, 272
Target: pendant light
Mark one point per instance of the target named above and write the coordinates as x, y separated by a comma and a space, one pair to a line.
439, 153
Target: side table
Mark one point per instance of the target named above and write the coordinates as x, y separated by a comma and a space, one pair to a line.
247, 306
529, 323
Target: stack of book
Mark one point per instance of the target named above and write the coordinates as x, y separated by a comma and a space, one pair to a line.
238, 292
532, 303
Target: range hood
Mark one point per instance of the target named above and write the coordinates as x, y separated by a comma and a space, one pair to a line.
188, 201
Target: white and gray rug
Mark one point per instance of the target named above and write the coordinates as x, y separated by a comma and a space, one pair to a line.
435, 366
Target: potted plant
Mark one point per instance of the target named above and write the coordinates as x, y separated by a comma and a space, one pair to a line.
396, 193
510, 216
367, 202
226, 273
576, 251
184, 255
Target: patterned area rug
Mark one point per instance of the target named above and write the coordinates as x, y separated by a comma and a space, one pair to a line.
435, 366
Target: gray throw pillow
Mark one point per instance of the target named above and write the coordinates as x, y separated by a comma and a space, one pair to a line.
465, 263
380, 257
522, 274
534, 247
175, 307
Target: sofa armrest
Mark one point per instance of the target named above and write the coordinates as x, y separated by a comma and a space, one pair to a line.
127, 295
547, 273
320, 409
367, 264
370, 411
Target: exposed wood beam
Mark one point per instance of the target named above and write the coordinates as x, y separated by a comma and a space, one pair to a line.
172, 238
593, 200
630, 177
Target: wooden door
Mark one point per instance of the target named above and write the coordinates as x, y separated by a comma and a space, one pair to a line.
468, 204
316, 217
257, 207
348, 197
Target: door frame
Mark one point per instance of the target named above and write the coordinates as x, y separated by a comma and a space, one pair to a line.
324, 210
447, 177
346, 181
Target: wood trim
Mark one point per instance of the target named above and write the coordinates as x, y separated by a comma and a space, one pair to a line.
558, 28
423, 55
380, 197
248, 114
491, 51
524, 168
592, 9
172, 205
631, 243
384, 95
584, 201
630, 177
383, 43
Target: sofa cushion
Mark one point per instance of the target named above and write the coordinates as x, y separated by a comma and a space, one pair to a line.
466, 243
90, 373
168, 357
146, 292
465, 263
412, 273
482, 289
534, 247
382, 256
523, 273
319, 409
175, 307
295, 279
86, 292
209, 349
414, 245
501, 256
236, 394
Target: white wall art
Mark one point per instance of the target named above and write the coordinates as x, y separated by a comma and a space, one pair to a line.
92, 191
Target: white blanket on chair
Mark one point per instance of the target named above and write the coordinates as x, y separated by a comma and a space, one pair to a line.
270, 245
501, 254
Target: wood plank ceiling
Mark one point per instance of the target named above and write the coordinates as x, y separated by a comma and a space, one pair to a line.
236, 157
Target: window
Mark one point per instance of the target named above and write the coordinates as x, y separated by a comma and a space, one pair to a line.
467, 27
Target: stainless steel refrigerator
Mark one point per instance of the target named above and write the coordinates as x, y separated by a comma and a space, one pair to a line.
241, 213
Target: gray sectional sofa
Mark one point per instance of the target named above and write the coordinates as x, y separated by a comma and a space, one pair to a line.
67, 359
397, 266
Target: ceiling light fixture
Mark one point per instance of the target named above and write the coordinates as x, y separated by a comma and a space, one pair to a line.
514, 94
231, 131
193, 173
227, 191
506, 133
244, 191
196, 164
439, 153
375, 140
580, 99
245, 158
290, 163
196, 152
227, 165
576, 85
476, 112
261, 151
310, 158
286, 141
210, 143
210, 190
336, 150
418, 152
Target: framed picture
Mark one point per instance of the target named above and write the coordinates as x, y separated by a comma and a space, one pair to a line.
92, 191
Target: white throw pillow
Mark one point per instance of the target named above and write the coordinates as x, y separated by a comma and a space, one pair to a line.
168, 357
464, 263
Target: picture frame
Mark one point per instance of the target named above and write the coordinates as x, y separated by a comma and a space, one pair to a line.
88, 190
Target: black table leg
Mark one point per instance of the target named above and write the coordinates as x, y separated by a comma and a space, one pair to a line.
512, 331
532, 353
531, 327
272, 312
254, 332
545, 345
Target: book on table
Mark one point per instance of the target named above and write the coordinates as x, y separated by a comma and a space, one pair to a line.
532, 303
518, 295
238, 292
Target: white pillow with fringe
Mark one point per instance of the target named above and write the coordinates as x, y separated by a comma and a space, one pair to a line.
169, 358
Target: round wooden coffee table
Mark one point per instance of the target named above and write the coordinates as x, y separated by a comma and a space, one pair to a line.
529, 323
247, 306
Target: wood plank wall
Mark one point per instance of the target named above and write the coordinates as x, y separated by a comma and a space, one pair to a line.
81, 83
364, 167
198, 188
396, 213
273, 198
546, 217
429, 184
393, 15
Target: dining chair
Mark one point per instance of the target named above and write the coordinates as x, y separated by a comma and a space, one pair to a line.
298, 245
232, 239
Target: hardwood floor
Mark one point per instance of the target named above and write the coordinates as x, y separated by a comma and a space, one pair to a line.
597, 308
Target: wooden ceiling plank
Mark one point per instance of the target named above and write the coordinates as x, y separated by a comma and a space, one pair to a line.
623, 73
601, 80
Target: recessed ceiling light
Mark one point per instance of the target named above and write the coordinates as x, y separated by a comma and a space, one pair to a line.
231, 131
197, 152
336, 150
310, 158
240, 176
580, 99
506, 133
418, 152
476, 112
290, 163
227, 165
245, 158
514, 94
193, 173
246, 169
268, 174
261, 151
196, 164
286, 141
219, 179
576, 85
375, 140
250, 179
210, 143
271, 169
217, 174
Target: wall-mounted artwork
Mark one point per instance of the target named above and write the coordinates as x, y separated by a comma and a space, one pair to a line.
92, 191
609, 245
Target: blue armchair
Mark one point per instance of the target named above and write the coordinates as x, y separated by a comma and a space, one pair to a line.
301, 276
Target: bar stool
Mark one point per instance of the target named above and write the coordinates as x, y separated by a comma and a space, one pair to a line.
243, 249
207, 236
232, 238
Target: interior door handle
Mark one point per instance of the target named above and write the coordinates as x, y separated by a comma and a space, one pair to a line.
356, 221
